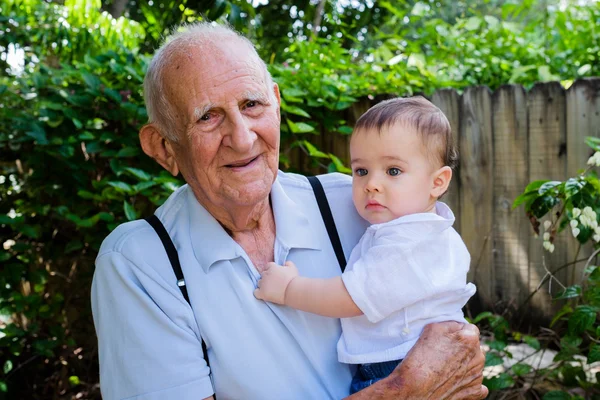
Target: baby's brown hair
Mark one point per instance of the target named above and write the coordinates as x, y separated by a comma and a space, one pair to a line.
419, 113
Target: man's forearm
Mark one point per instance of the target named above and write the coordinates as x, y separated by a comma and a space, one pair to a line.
327, 297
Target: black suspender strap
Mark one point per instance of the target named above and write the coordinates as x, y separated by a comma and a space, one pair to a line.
174, 259
328, 220
171, 252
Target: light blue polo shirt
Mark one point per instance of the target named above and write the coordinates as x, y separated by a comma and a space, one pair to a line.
149, 338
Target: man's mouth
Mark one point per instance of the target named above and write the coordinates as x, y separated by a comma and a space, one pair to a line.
242, 163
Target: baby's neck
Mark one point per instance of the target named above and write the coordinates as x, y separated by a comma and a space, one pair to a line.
431, 207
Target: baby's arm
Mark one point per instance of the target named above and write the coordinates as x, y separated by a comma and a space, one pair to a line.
327, 297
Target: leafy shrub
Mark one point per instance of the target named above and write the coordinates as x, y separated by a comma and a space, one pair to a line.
573, 205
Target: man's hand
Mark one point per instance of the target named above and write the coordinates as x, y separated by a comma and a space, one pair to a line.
274, 281
445, 363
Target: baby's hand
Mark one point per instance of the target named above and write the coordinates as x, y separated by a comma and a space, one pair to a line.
274, 281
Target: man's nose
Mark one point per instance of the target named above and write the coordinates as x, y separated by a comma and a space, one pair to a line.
241, 137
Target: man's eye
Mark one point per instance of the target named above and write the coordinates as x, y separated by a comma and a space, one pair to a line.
394, 171
251, 104
360, 171
205, 117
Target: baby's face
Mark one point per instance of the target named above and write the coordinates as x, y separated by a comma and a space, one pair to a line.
391, 174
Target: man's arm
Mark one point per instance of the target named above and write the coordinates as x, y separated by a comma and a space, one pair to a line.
445, 363
327, 297
141, 320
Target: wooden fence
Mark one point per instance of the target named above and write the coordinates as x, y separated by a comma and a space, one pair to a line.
507, 139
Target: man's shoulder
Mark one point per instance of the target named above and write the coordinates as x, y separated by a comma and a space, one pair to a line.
139, 233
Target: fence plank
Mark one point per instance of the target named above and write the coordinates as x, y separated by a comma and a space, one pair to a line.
511, 173
475, 140
448, 100
547, 160
583, 119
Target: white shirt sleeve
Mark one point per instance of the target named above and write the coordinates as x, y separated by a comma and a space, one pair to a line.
149, 347
393, 274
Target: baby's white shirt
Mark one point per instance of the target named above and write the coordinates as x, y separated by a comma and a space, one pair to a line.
403, 275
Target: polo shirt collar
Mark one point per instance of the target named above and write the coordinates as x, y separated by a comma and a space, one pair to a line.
211, 243
292, 226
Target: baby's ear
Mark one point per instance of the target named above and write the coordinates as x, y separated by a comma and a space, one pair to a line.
441, 180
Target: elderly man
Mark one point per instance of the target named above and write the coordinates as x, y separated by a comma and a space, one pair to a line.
214, 118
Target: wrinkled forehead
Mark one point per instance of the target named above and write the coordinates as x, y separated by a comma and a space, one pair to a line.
208, 64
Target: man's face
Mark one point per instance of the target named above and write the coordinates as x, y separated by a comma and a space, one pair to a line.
228, 119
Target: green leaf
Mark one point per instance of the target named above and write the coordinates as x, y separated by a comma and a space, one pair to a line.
593, 142
499, 382
569, 293
532, 342
584, 69
112, 94
339, 165
312, 150
492, 359
548, 186
91, 80
33, 231
573, 186
138, 173
497, 345
73, 245
473, 23
299, 127
129, 211
293, 93
295, 110
143, 186
520, 369
594, 354
37, 132
535, 185
546, 75
566, 309
482, 316
120, 186
542, 205
8, 366
582, 319
556, 395
525, 197
74, 380
128, 152
570, 341
345, 130
3, 387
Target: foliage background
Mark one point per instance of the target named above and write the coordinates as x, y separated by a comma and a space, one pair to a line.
71, 168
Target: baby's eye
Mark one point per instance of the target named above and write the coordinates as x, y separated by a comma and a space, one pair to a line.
360, 171
394, 171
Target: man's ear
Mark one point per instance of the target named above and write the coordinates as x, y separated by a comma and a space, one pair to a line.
159, 148
278, 97
441, 181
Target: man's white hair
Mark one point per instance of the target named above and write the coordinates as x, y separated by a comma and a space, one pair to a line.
200, 34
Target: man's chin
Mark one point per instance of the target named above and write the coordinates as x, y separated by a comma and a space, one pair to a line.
250, 192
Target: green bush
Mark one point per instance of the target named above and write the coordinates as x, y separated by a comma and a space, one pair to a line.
553, 207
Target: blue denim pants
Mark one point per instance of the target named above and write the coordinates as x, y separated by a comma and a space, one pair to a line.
368, 374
